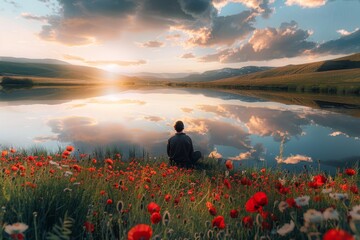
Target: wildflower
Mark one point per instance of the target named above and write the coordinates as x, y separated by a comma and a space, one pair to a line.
155, 218
219, 222
109, 201
287, 228
354, 189
337, 234
153, 207
167, 197
229, 165
16, 230
283, 205
331, 214
68, 173
234, 213
326, 190
350, 171
70, 148
339, 196
355, 212
248, 222
109, 161
4, 153
313, 216
302, 201
227, 184
89, 227
140, 232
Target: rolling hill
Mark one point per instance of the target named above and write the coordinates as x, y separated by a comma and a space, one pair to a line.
331, 76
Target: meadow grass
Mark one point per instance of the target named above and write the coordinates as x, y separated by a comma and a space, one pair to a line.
59, 196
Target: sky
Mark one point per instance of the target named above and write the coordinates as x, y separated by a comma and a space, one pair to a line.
179, 36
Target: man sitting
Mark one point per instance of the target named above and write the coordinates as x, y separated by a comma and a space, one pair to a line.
180, 148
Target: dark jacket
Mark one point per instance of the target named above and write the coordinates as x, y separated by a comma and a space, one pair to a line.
180, 148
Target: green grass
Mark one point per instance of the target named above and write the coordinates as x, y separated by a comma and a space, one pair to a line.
56, 204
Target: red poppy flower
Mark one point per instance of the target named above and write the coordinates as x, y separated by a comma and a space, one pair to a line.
248, 222
350, 171
70, 148
89, 227
261, 198
109, 161
251, 206
140, 232
227, 184
212, 210
109, 201
219, 222
354, 189
155, 218
318, 181
229, 165
234, 213
337, 234
153, 207
167, 197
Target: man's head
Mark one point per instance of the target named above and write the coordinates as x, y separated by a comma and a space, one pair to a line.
179, 126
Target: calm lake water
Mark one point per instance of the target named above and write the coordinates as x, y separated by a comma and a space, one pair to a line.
232, 126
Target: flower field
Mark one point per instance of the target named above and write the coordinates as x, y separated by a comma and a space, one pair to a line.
59, 196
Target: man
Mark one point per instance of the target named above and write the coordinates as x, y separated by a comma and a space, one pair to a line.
180, 148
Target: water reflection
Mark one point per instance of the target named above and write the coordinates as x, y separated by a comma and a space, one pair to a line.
242, 128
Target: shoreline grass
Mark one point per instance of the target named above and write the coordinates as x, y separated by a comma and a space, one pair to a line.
58, 197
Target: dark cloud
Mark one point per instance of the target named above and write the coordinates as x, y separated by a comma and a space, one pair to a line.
153, 44
284, 42
34, 17
344, 45
223, 30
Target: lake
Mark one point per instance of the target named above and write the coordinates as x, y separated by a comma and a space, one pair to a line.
227, 125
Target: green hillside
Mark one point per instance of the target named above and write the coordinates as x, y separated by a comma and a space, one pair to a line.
340, 75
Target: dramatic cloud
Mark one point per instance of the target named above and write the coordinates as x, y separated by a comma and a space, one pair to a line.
187, 55
306, 3
337, 133
265, 44
280, 124
223, 30
153, 44
348, 43
294, 159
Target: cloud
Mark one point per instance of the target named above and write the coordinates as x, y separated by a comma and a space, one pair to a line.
12, 3
215, 154
260, 6
187, 55
154, 118
187, 110
152, 44
306, 3
256, 153
346, 44
337, 133
294, 159
280, 124
344, 32
72, 57
120, 101
118, 62
270, 43
105, 62
42, 139
87, 133
222, 30
30, 16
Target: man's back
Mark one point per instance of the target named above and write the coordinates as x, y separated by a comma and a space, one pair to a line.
180, 148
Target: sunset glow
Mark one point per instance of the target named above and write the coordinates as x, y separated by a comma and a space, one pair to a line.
179, 36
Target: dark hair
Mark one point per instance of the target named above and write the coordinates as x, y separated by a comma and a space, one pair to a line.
179, 126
